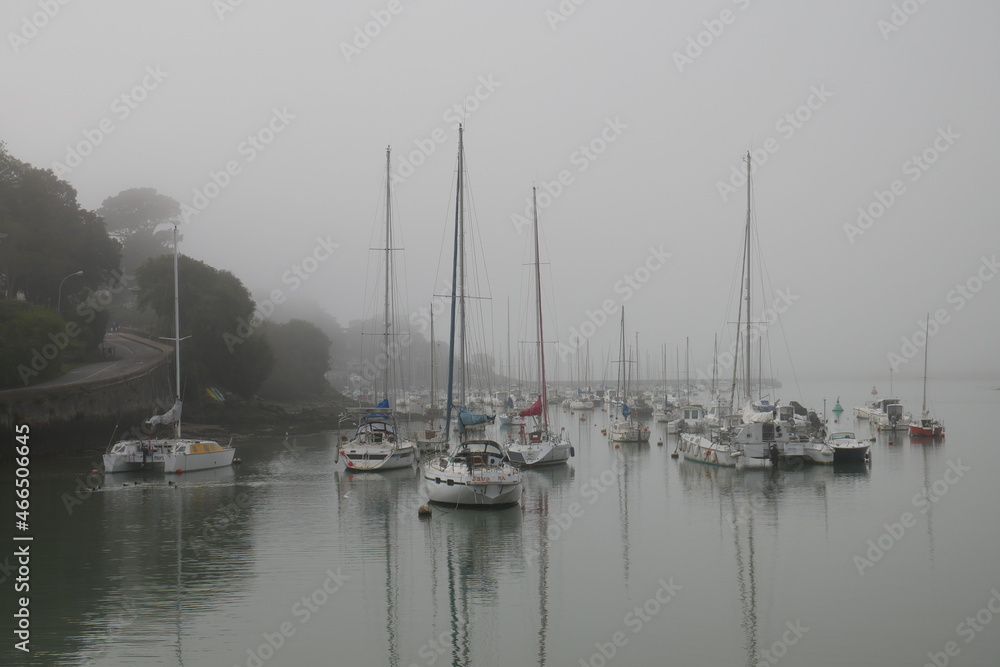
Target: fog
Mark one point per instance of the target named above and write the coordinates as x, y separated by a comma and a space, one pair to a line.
872, 125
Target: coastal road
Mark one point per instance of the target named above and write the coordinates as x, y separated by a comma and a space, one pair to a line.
125, 354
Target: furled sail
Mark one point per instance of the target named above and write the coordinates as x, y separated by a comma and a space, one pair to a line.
171, 416
467, 417
534, 410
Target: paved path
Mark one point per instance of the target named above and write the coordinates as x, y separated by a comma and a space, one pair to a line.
130, 354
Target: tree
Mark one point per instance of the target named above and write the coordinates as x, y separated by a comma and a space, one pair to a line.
32, 339
48, 237
141, 220
301, 360
214, 309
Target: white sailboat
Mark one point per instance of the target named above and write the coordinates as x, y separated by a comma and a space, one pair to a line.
377, 443
175, 454
475, 472
540, 446
625, 429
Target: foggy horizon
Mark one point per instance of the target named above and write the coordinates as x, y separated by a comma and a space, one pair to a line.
870, 128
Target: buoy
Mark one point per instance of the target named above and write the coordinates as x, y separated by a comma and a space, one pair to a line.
673, 454
178, 471
424, 511
95, 471
890, 443
617, 446
660, 442
237, 460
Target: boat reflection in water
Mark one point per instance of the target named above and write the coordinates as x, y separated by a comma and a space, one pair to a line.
759, 511
465, 581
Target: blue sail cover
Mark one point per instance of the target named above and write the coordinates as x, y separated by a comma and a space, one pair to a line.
379, 416
624, 410
467, 417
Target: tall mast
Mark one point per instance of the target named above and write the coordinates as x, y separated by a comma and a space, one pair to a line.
747, 263
433, 369
637, 389
923, 408
622, 386
715, 367
388, 262
177, 339
460, 227
687, 369
508, 353
538, 314
454, 293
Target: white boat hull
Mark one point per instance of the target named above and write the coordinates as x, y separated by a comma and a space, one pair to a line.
169, 455
202, 461
366, 458
475, 474
539, 454
627, 432
697, 448
453, 485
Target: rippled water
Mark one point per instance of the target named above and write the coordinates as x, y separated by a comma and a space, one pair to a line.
625, 556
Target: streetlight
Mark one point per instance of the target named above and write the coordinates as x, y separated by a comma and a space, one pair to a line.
59, 302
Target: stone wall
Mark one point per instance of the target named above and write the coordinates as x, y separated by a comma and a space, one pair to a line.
73, 417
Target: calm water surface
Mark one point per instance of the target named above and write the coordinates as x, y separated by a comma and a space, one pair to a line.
623, 557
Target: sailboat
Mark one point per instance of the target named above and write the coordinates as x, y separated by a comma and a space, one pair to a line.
759, 440
540, 446
624, 429
475, 472
377, 443
926, 426
174, 454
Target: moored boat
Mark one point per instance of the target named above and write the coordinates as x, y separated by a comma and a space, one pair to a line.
847, 448
476, 471
174, 454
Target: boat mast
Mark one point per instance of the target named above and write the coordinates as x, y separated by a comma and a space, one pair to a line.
388, 246
177, 341
622, 384
460, 230
923, 408
715, 368
433, 369
687, 370
454, 294
538, 298
747, 263
638, 390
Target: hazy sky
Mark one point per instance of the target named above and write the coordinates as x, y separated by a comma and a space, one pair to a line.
643, 109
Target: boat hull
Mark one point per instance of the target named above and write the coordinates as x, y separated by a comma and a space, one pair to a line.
185, 462
623, 432
168, 455
850, 453
702, 450
534, 455
919, 431
449, 486
366, 459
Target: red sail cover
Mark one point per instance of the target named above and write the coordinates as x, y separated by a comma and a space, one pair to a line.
534, 410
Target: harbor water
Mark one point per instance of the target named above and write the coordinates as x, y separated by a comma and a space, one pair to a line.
625, 556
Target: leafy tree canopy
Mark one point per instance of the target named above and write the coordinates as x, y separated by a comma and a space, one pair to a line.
214, 310
140, 219
48, 237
